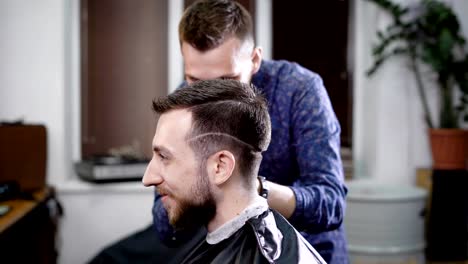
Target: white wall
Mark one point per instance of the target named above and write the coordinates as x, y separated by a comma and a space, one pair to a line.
390, 138
32, 71
98, 216
39, 82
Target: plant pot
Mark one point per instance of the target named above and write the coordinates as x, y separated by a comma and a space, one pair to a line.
449, 148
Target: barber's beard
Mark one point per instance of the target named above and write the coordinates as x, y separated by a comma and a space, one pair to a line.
196, 209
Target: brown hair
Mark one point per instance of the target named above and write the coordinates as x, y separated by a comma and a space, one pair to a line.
206, 24
226, 115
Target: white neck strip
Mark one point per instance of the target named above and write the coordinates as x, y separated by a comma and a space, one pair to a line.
223, 232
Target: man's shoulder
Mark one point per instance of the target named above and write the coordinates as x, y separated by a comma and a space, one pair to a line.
285, 75
284, 69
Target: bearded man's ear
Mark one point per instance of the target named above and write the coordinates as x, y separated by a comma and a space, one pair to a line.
221, 166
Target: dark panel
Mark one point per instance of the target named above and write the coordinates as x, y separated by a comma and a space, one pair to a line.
314, 34
447, 226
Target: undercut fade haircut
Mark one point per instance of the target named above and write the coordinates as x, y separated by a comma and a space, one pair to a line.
206, 24
226, 115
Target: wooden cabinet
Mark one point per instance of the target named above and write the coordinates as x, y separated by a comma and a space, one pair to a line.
27, 230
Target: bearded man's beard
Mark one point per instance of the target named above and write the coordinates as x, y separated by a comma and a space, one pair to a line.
189, 215
196, 211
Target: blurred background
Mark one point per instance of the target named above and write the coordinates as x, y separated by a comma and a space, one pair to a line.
87, 71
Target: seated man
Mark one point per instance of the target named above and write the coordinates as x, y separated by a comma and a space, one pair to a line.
302, 165
206, 156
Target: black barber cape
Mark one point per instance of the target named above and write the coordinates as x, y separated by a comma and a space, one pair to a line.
267, 238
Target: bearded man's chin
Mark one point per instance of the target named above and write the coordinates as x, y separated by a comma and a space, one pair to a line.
193, 216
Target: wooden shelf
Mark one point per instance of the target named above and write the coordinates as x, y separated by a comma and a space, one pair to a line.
29, 227
20, 208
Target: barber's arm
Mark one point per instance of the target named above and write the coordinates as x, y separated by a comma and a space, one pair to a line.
316, 200
283, 199
280, 197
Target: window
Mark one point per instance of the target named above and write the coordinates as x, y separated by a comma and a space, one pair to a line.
123, 67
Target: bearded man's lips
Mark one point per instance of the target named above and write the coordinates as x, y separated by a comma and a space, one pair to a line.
162, 192
165, 196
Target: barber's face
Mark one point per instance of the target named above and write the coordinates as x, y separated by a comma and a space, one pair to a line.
179, 177
231, 60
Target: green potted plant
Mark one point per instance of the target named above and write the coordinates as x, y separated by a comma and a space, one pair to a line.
429, 33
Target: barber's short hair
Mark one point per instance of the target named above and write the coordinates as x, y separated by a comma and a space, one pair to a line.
206, 24
226, 115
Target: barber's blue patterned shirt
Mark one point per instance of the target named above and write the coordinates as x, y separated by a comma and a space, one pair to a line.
303, 153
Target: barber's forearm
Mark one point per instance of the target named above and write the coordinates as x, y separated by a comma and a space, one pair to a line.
282, 199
